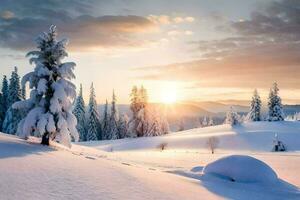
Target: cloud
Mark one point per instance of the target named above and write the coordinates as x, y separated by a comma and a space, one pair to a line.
189, 19
174, 33
7, 15
166, 19
187, 32
265, 49
84, 31
160, 19
178, 20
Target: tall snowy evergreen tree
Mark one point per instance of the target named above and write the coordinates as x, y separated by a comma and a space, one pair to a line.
232, 117
255, 108
204, 122
143, 117
145, 121
13, 116
14, 89
123, 126
93, 123
4, 91
275, 107
210, 121
79, 112
49, 108
105, 122
113, 120
135, 108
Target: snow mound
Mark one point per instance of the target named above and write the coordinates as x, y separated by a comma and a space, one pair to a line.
241, 168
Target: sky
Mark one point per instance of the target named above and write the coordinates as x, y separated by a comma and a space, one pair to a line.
192, 50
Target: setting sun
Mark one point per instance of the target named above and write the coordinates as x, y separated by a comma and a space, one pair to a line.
169, 94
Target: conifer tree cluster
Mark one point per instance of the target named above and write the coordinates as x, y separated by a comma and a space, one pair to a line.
145, 121
11, 92
90, 124
275, 108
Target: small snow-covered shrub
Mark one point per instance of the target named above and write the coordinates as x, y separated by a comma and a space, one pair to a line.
278, 145
232, 117
212, 144
162, 146
240, 168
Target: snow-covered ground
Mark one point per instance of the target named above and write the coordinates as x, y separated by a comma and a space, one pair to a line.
137, 169
254, 136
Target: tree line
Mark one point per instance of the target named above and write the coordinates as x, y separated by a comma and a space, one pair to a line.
109, 125
11, 92
275, 109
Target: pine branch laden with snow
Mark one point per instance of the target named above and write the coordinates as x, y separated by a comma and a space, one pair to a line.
275, 106
49, 108
255, 108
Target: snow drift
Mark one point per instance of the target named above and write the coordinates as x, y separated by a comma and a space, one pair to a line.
241, 168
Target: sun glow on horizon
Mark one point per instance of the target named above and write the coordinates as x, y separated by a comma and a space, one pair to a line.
168, 94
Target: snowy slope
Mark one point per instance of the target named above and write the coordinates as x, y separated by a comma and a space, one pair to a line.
254, 136
31, 171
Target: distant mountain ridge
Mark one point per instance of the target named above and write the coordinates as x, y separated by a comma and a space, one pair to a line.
192, 113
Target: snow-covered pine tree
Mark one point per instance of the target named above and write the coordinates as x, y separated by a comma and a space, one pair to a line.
143, 117
232, 117
113, 120
4, 91
123, 126
156, 123
255, 108
210, 121
204, 122
165, 127
275, 107
93, 123
181, 125
105, 122
154, 126
13, 116
49, 108
135, 108
14, 89
79, 112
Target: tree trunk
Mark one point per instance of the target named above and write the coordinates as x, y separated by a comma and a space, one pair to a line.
45, 139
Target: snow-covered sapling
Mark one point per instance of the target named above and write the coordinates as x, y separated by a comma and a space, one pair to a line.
212, 143
232, 117
278, 145
49, 108
162, 146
